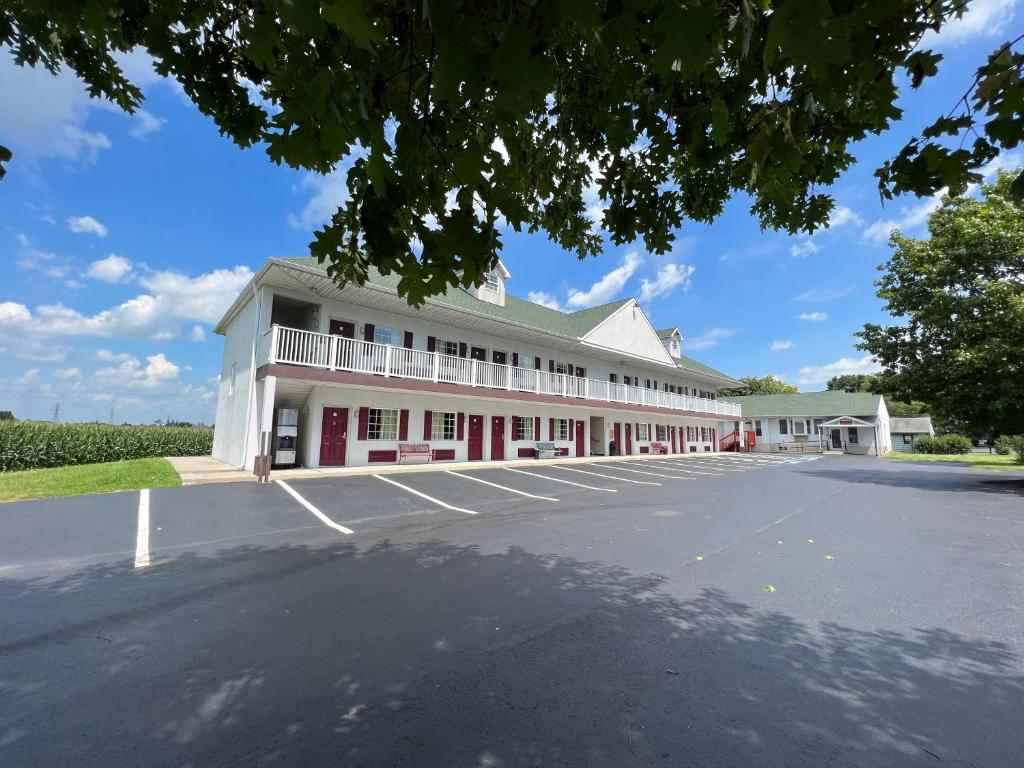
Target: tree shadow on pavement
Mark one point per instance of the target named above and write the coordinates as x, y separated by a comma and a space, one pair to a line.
929, 478
432, 654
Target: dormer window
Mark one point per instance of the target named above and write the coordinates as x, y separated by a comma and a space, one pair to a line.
492, 284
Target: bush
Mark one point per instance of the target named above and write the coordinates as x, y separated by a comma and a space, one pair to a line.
944, 444
1017, 443
37, 445
1003, 445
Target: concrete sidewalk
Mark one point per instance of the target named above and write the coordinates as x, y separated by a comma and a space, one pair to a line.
202, 470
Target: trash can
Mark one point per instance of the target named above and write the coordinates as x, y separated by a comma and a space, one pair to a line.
611, 448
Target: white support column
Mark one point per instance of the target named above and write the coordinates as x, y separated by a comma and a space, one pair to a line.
436, 365
332, 352
387, 361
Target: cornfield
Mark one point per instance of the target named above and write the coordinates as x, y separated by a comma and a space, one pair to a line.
35, 445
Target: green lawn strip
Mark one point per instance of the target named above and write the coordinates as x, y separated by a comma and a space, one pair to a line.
975, 460
88, 478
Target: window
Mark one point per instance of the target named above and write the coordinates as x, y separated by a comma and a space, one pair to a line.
562, 368
661, 431
524, 428
391, 336
851, 433
613, 378
783, 427
561, 429
523, 360
816, 426
757, 428
231, 381
799, 427
442, 426
641, 432
492, 283
447, 347
382, 424
908, 439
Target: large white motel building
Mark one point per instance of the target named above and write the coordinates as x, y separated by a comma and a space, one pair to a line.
475, 375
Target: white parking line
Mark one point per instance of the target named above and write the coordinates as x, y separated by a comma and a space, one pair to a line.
610, 477
706, 464
502, 487
559, 480
662, 465
142, 534
422, 495
642, 472
684, 466
316, 512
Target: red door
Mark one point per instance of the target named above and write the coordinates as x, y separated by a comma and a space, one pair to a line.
476, 438
629, 440
617, 431
500, 358
333, 436
497, 438
343, 328
580, 449
478, 353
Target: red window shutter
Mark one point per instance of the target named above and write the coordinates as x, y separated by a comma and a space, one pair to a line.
572, 429
461, 426
515, 427
536, 363
536, 427
428, 424
403, 424
515, 359
648, 383
462, 349
569, 367
431, 344
551, 429
551, 366
364, 422
408, 340
650, 431
368, 330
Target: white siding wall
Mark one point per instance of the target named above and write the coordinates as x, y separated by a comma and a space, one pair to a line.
235, 388
629, 331
358, 450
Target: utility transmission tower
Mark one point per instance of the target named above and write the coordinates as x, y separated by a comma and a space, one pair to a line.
111, 415
56, 413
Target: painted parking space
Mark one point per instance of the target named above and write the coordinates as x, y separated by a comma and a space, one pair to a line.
72, 530
640, 471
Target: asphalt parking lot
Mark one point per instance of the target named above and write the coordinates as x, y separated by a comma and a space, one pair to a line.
716, 611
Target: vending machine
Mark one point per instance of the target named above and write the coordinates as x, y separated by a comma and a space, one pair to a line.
286, 432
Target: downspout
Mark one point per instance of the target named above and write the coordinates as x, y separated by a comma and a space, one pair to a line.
258, 298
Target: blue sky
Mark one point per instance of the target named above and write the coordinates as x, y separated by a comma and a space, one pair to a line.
123, 239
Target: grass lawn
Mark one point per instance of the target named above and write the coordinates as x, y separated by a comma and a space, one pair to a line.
976, 460
88, 478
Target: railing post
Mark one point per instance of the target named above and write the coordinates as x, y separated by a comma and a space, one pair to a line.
565, 385
332, 352
436, 365
536, 381
387, 360
472, 372
586, 389
508, 376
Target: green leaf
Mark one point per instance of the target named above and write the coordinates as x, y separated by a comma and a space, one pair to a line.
768, 588
5, 157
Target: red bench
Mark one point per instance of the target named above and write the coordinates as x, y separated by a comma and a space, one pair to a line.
660, 448
407, 450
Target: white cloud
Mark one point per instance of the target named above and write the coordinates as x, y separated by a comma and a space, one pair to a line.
910, 218
781, 345
841, 367
605, 289
114, 357
843, 215
175, 298
814, 317
130, 373
803, 248
67, 373
86, 225
144, 123
544, 299
32, 259
668, 279
329, 192
709, 339
112, 269
822, 294
197, 333
983, 19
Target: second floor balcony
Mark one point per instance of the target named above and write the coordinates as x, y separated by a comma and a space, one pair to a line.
291, 346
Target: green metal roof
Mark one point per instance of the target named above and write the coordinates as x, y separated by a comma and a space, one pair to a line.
516, 310
527, 313
810, 404
664, 333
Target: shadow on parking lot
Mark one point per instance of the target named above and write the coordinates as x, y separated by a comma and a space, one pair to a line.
928, 478
435, 654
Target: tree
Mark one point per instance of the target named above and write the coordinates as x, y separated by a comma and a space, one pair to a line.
854, 382
960, 297
760, 385
452, 118
6, 416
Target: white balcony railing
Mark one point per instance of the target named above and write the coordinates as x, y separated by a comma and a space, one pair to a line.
291, 346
